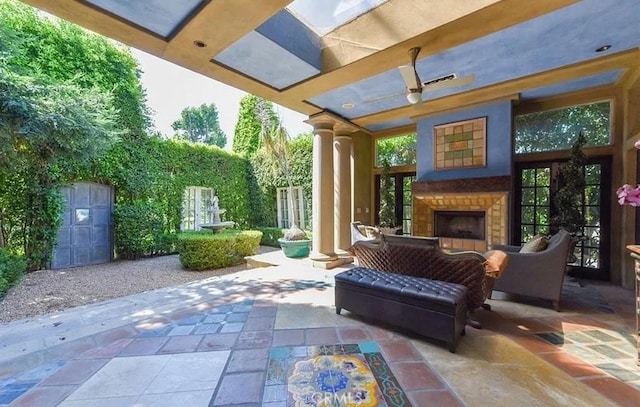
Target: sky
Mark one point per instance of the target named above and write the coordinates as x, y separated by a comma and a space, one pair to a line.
170, 88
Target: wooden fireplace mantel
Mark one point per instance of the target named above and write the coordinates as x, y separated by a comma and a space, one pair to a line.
467, 185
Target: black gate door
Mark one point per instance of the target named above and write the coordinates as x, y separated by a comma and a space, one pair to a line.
85, 236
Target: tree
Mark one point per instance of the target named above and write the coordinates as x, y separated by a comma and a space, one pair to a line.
255, 114
200, 125
275, 142
62, 52
65, 96
567, 201
400, 150
43, 126
386, 214
554, 130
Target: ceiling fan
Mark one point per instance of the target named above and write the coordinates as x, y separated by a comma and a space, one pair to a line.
415, 86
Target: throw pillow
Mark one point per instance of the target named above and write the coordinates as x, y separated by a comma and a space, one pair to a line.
373, 232
537, 244
496, 262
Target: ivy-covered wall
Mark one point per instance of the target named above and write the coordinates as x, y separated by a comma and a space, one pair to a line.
301, 162
45, 56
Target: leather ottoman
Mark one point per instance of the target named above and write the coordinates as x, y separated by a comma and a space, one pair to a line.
435, 309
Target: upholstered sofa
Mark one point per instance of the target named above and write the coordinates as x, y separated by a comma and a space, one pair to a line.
423, 257
538, 274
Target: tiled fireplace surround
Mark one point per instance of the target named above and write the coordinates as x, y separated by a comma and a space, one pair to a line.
490, 194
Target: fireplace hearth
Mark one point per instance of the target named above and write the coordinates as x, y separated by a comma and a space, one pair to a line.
469, 197
460, 224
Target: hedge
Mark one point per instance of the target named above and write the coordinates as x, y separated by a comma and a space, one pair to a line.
12, 267
206, 251
270, 236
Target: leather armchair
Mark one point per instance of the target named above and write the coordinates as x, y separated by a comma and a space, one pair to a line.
539, 274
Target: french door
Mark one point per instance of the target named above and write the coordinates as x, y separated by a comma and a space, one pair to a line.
402, 196
536, 185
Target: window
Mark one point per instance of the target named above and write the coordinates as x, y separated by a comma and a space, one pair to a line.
398, 150
557, 129
196, 203
283, 207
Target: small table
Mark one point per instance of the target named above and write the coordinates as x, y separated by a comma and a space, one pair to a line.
635, 253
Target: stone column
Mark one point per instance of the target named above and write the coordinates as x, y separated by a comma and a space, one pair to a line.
342, 191
322, 201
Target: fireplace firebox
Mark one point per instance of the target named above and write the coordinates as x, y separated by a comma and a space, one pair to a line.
460, 224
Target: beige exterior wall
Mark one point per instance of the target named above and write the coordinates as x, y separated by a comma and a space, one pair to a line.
362, 179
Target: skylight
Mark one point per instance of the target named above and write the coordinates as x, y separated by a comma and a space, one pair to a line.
325, 16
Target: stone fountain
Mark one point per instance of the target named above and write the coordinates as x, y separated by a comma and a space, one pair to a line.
216, 225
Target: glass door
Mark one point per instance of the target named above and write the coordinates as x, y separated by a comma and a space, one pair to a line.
535, 187
402, 197
533, 205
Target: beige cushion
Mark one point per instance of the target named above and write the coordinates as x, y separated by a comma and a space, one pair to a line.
373, 232
362, 229
537, 244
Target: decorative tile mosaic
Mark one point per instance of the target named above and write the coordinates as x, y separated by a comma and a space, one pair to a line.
460, 144
331, 375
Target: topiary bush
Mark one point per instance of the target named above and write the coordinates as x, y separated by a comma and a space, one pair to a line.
248, 242
12, 268
206, 251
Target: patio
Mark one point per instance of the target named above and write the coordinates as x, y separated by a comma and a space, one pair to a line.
251, 338
239, 339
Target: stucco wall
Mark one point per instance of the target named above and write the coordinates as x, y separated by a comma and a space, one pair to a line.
499, 143
361, 178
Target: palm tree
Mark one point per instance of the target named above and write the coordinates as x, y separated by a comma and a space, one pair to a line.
275, 142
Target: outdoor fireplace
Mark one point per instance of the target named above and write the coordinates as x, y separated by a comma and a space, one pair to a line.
460, 224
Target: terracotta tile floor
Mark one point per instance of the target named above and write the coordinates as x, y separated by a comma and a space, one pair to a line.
270, 337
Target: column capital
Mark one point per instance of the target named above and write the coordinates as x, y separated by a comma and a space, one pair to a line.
329, 121
342, 136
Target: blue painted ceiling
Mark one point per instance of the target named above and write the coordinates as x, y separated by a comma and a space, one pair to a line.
160, 17
286, 50
565, 37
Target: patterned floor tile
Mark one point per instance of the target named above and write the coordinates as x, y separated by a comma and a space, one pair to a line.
555, 338
619, 372
608, 351
344, 374
601, 336
237, 317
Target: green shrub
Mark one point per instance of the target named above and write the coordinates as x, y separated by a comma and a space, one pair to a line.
270, 236
12, 268
248, 242
206, 251
167, 244
138, 229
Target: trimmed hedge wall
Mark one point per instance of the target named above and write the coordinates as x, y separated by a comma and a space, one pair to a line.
150, 178
12, 267
206, 251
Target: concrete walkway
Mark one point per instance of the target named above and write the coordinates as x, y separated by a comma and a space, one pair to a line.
270, 337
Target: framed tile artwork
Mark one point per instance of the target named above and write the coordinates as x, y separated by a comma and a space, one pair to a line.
460, 144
